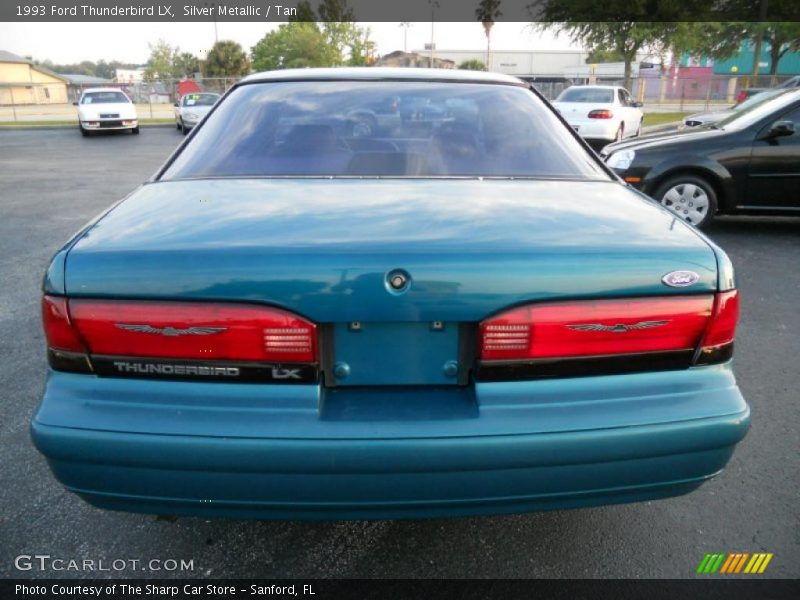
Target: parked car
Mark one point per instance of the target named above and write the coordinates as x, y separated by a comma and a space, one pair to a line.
106, 109
306, 325
600, 112
715, 116
192, 108
748, 163
747, 93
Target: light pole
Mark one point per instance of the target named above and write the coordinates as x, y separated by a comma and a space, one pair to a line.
434, 5
405, 25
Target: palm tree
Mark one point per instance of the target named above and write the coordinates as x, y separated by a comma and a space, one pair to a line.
487, 12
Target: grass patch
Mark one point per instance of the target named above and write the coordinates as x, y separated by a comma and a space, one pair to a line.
663, 118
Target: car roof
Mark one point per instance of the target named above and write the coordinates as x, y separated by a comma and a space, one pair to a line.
102, 89
384, 74
597, 87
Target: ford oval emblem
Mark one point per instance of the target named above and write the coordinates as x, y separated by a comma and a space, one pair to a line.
680, 278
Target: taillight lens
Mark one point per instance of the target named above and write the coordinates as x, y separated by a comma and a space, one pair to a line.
57, 327
722, 327
601, 114
181, 330
596, 328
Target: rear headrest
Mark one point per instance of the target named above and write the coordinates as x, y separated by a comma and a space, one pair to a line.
310, 138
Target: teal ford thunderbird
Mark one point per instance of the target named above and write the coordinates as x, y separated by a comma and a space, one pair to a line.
379, 293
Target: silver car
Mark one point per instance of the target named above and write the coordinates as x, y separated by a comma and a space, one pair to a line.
192, 108
715, 116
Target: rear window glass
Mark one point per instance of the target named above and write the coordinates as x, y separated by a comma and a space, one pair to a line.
200, 99
418, 129
104, 98
586, 95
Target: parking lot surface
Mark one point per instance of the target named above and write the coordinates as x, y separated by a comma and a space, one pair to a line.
53, 181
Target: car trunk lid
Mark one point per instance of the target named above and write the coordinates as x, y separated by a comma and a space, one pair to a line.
328, 249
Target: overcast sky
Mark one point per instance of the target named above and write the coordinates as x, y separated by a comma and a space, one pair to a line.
65, 43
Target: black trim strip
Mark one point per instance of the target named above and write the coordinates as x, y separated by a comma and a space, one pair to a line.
74, 362
543, 368
202, 370
713, 354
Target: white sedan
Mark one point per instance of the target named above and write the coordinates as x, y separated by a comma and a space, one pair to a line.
600, 112
192, 108
106, 109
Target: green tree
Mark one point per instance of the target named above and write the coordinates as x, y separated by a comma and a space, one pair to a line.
226, 59
487, 12
305, 14
293, 45
185, 64
161, 61
652, 26
472, 65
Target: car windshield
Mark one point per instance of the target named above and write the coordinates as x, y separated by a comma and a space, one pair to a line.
200, 99
765, 105
586, 94
757, 99
104, 98
383, 129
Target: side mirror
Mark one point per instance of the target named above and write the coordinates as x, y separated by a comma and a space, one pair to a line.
74, 104
781, 129
176, 105
637, 104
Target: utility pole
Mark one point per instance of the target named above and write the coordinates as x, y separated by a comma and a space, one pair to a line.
762, 16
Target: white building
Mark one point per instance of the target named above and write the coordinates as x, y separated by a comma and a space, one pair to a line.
531, 63
129, 76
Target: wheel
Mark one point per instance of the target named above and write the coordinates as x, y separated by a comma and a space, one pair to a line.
177, 125
84, 133
184, 129
690, 197
135, 130
620, 132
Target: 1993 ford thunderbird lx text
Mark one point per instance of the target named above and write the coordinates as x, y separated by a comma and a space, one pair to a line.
378, 293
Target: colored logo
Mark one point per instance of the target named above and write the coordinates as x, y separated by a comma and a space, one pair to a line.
734, 563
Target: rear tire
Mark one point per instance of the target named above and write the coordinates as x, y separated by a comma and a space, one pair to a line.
84, 133
178, 125
690, 197
135, 130
184, 129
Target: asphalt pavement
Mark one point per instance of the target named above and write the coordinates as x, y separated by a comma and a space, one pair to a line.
53, 181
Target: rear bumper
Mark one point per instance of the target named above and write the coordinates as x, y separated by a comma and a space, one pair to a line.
596, 129
506, 448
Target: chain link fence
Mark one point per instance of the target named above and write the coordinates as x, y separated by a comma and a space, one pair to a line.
54, 101
155, 99
671, 93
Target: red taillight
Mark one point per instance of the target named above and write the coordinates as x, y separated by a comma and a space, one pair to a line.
189, 330
596, 328
722, 327
57, 327
601, 114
